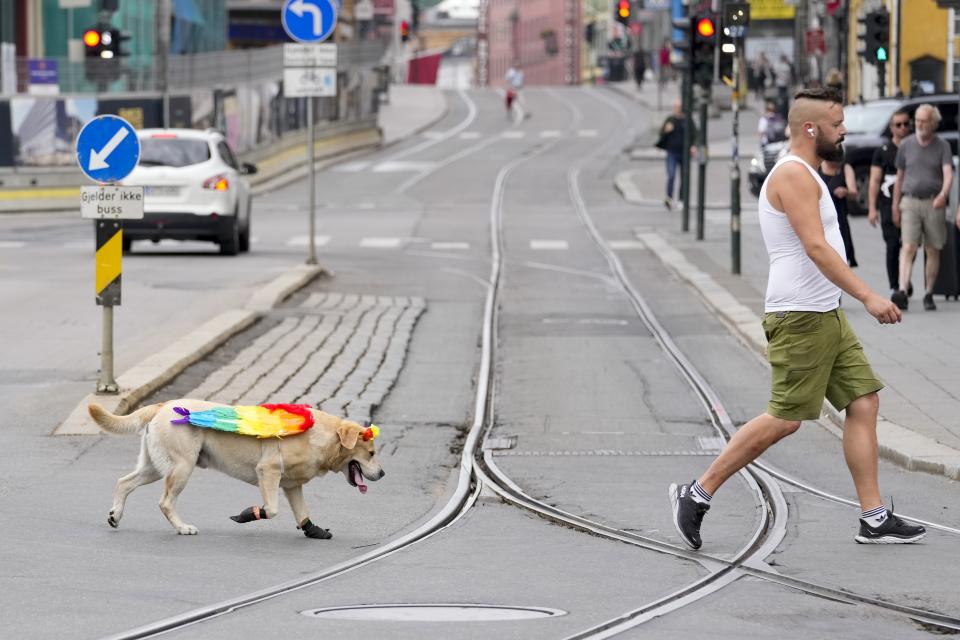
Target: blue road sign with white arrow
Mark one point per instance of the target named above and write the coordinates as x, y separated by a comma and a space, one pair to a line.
108, 149
309, 20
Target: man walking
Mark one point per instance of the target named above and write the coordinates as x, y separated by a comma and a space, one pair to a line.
924, 176
883, 175
813, 351
671, 140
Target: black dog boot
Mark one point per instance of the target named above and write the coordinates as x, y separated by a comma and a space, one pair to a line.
313, 531
250, 514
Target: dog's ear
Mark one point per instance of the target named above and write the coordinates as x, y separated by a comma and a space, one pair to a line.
348, 433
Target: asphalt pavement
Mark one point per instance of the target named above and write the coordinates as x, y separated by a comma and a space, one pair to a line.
592, 415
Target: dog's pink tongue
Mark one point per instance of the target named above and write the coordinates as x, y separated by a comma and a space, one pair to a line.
358, 479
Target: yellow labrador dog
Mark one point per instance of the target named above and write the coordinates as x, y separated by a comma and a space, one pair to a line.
171, 451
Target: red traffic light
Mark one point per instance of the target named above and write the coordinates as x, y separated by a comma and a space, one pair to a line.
705, 28
91, 37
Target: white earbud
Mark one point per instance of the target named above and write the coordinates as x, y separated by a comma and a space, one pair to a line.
810, 132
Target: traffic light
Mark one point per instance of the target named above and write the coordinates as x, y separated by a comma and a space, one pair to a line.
682, 41
736, 19
877, 36
621, 11
112, 41
101, 63
404, 30
703, 47
728, 51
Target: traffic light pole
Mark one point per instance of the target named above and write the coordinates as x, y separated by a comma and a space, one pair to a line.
735, 170
687, 143
702, 160
312, 257
882, 78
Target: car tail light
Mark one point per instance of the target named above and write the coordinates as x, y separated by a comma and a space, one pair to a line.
217, 183
165, 136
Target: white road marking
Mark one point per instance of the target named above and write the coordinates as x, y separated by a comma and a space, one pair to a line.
366, 205
514, 134
450, 245
548, 245
550, 133
624, 245
469, 135
433, 135
80, 244
352, 167
394, 166
12, 244
381, 243
302, 241
587, 133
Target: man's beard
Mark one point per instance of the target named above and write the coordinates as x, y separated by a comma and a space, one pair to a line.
832, 151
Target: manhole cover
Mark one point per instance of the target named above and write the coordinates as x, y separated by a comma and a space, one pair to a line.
432, 612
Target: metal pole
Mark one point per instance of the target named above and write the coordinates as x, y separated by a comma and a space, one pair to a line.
702, 161
106, 383
687, 143
312, 257
882, 78
162, 17
735, 167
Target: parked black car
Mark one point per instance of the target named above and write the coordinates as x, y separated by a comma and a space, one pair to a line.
867, 124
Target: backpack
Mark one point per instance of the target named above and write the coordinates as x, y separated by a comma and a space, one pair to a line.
776, 129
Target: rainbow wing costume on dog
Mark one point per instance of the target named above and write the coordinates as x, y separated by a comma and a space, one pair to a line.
262, 421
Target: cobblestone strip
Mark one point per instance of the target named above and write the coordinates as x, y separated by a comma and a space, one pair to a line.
254, 385
346, 361
274, 386
296, 388
372, 395
267, 361
376, 349
224, 375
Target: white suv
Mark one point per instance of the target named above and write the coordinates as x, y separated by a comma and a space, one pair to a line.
194, 189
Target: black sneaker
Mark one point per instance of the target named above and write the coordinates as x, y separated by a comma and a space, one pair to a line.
928, 303
687, 514
899, 298
893, 530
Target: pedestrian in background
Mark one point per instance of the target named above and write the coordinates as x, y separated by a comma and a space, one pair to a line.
783, 78
924, 176
671, 141
639, 67
883, 175
842, 183
514, 78
772, 127
663, 63
812, 349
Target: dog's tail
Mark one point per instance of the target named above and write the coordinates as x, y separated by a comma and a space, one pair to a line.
123, 425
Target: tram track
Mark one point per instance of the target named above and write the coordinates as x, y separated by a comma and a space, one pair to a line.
477, 469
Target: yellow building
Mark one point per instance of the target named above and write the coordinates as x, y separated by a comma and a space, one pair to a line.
921, 49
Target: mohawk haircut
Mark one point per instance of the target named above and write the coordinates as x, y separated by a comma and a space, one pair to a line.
822, 94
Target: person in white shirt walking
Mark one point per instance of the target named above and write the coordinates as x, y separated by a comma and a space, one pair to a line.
514, 78
813, 351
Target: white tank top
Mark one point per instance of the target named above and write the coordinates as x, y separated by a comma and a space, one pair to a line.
796, 284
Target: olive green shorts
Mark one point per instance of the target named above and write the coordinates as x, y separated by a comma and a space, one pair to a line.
814, 355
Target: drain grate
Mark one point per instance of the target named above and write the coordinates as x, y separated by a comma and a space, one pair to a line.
432, 612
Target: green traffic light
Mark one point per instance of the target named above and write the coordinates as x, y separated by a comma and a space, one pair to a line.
882, 54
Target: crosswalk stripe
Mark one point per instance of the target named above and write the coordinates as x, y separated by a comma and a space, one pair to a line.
469, 135
12, 244
302, 241
450, 245
433, 135
549, 245
381, 243
624, 245
352, 167
550, 133
587, 133
393, 166
514, 134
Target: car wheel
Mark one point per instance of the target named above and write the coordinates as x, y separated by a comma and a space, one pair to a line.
230, 242
245, 232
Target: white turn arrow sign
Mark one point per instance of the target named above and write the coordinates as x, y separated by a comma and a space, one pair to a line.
300, 6
98, 159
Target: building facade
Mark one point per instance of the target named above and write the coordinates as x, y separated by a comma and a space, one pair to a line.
542, 36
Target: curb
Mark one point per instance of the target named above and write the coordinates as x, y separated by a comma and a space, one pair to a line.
896, 443
154, 372
624, 183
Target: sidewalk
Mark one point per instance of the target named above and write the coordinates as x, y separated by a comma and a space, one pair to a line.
917, 359
411, 109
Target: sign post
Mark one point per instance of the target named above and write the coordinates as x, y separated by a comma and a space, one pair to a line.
107, 151
310, 71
